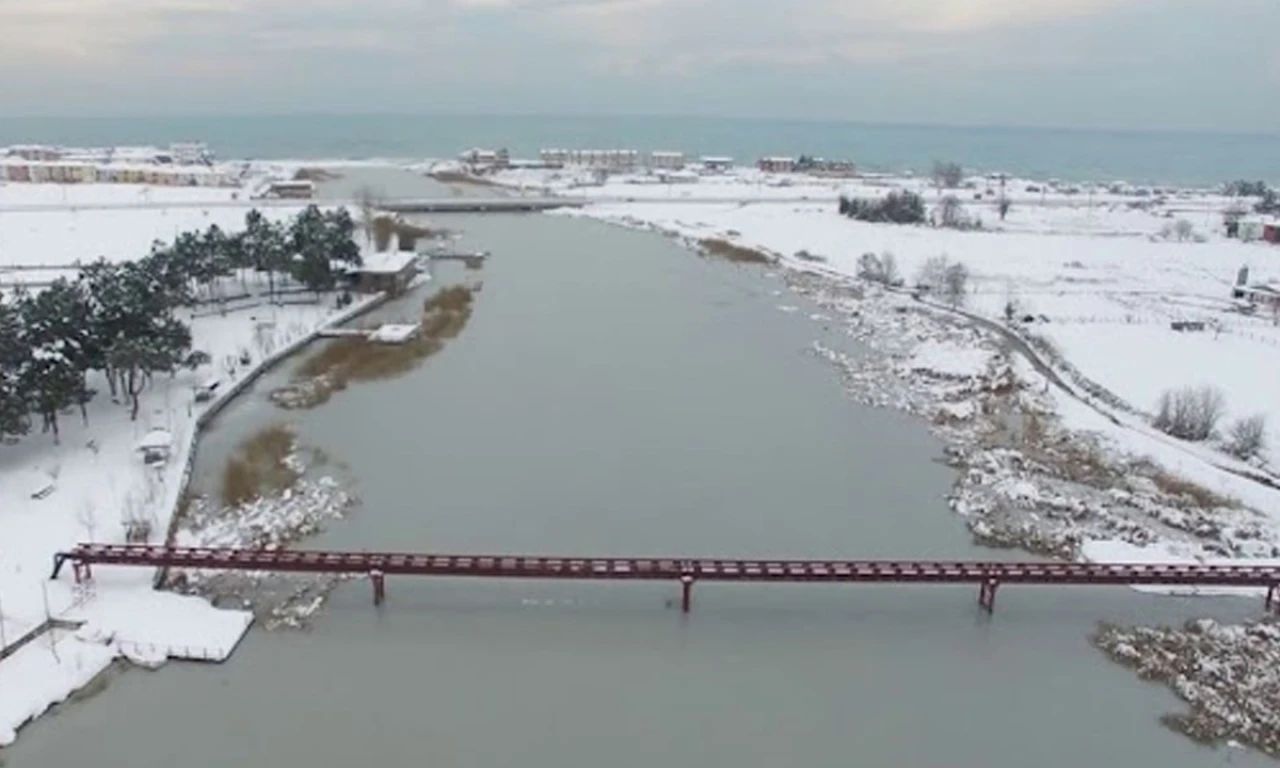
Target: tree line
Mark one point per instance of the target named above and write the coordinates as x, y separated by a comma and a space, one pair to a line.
121, 319
1268, 200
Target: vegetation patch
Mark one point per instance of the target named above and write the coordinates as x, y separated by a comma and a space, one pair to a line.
1226, 674
354, 358
739, 254
260, 466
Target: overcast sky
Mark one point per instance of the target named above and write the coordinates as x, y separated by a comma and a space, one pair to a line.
1194, 64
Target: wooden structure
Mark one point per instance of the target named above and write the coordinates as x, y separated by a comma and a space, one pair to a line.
686, 571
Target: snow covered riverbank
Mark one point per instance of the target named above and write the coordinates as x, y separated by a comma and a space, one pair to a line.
91, 483
1046, 421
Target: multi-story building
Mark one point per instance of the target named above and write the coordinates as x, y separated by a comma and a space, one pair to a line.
667, 161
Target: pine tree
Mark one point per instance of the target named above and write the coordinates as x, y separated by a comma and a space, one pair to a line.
14, 356
57, 322
53, 384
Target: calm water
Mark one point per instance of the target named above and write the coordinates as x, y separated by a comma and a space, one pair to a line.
1160, 157
615, 394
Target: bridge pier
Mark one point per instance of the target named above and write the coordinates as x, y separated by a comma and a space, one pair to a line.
1273, 598
379, 587
80, 569
686, 593
987, 594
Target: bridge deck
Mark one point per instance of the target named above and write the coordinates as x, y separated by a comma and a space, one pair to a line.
667, 568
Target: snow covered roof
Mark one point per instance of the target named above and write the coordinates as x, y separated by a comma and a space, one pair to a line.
394, 334
387, 262
155, 439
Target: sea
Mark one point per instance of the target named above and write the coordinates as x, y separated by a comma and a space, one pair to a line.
1146, 157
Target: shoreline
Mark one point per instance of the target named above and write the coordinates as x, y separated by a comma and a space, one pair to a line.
1030, 478
226, 398
978, 406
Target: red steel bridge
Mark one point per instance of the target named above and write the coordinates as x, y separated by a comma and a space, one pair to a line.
686, 571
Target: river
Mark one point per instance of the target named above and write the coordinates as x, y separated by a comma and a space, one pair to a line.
615, 394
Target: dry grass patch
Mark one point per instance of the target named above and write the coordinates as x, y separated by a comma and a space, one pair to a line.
354, 358
260, 466
738, 254
1181, 488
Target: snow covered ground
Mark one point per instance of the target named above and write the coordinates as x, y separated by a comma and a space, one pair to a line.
99, 480
16, 194
1103, 290
37, 239
1103, 279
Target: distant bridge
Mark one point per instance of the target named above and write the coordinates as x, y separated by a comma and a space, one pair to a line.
481, 204
686, 571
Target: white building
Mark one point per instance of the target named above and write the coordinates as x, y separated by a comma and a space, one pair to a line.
716, 163
189, 153
777, 164
668, 161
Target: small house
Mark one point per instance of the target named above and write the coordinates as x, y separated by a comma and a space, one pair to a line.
1262, 294
717, 164
1271, 233
386, 271
155, 446
776, 164
667, 161
291, 189
1249, 230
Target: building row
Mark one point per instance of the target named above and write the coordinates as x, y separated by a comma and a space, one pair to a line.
806, 164
17, 169
178, 153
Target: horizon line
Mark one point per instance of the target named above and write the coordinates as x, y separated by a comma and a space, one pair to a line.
1096, 129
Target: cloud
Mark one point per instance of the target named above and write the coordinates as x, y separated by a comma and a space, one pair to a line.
803, 57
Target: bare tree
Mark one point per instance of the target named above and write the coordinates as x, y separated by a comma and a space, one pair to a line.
870, 267
889, 268
932, 272
1003, 205
1247, 437
950, 213
1190, 413
947, 175
1183, 229
369, 201
955, 282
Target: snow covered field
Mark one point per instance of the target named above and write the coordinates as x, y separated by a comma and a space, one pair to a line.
60, 234
1098, 271
1103, 290
94, 478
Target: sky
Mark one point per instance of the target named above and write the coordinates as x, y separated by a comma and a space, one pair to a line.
1172, 64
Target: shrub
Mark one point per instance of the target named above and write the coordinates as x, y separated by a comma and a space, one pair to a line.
955, 281
1183, 229
1247, 437
899, 207
947, 175
933, 272
1190, 413
952, 215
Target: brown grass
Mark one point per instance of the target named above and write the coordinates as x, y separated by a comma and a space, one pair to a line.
353, 358
738, 254
1181, 488
258, 466
385, 227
